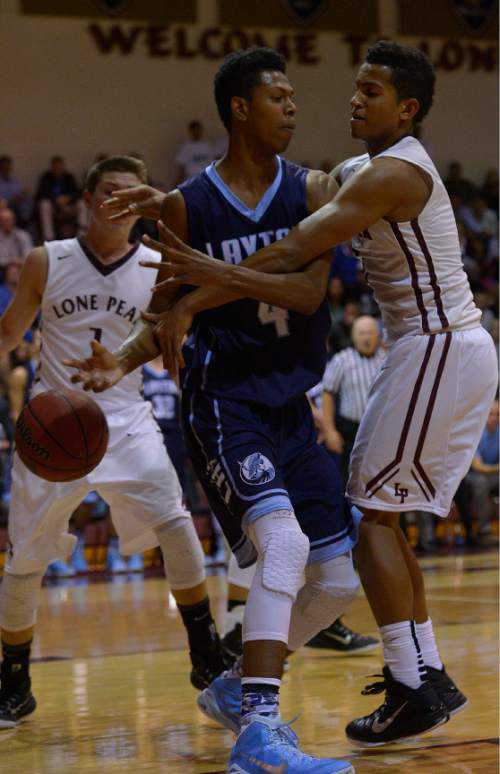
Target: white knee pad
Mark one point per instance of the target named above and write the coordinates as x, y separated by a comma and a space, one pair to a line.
329, 589
182, 553
19, 600
283, 550
283, 562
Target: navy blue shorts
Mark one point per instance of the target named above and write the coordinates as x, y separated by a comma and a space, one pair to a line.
174, 443
252, 459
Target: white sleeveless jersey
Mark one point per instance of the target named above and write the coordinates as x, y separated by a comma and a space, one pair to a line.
85, 300
415, 267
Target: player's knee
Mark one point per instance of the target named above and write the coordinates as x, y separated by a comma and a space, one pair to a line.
182, 553
18, 600
329, 589
284, 557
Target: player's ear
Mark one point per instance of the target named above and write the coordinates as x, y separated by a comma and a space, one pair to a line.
87, 196
239, 108
409, 109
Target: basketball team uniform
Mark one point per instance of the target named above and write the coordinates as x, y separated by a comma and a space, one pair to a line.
161, 390
247, 422
83, 300
428, 406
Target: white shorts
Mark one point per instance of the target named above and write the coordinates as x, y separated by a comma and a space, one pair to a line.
425, 414
136, 478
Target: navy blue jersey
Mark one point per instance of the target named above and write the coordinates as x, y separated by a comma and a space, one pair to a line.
161, 390
249, 350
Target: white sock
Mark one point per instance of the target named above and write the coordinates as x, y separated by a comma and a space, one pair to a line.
427, 642
402, 653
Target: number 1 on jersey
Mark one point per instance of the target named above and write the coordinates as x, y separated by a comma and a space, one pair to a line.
274, 314
97, 333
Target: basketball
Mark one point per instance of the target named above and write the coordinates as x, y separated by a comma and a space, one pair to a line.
61, 435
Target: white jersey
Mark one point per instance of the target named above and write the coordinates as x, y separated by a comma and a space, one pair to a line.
84, 300
415, 267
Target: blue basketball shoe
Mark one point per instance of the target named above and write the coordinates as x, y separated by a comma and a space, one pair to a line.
221, 701
268, 745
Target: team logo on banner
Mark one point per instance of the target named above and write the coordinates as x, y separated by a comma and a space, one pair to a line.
475, 15
111, 6
256, 469
305, 11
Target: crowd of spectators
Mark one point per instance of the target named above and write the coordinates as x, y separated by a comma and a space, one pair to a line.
54, 209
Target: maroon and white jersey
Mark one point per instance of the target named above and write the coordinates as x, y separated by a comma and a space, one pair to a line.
415, 267
84, 299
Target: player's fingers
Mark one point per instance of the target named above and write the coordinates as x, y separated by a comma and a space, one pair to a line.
178, 350
168, 283
77, 378
154, 244
121, 215
152, 264
153, 317
172, 239
73, 363
97, 348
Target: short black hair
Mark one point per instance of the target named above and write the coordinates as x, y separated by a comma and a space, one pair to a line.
240, 73
115, 164
413, 73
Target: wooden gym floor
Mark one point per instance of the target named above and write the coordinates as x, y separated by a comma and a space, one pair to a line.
111, 679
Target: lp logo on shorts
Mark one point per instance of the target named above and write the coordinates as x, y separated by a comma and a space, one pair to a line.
256, 469
400, 492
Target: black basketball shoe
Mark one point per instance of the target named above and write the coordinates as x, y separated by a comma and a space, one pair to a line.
207, 666
339, 637
453, 699
406, 712
15, 705
232, 643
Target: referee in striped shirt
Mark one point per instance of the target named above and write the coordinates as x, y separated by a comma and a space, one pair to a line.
346, 383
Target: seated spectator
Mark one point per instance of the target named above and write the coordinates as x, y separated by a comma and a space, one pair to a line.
479, 221
335, 296
345, 264
340, 333
457, 185
57, 199
12, 191
489, 189
9, 285
194, 154
483, 475
14, 242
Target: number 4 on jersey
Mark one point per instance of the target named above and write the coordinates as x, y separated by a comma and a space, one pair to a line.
278, 317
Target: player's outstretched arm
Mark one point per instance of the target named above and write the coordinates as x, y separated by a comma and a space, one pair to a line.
301, 292
22, 310
383, 188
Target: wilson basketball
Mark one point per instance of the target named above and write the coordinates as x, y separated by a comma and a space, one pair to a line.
61, 435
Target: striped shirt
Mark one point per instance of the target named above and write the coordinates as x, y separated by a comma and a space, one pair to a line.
349, 375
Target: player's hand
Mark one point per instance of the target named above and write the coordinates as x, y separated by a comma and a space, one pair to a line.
334, 441
170, 331
183, 264
98, 372
142, 201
